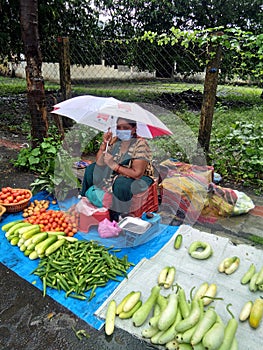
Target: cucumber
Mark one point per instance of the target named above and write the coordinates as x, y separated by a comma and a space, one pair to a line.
7, 226
58, 233
203, 326
119, 308
110, 318
245, 311
168, 315
54, 246
30, 232
125, 315
18, 226
27, 252
163, 275
33, 255
170, 277
68, 238
260, 277
14, 240
140, 316
150, 332
9, 237
41, 247
214, 337
132, 301
27, 242
22, 248
39, 237
256, 313
178, 241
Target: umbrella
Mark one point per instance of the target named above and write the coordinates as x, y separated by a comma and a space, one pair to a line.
102, 112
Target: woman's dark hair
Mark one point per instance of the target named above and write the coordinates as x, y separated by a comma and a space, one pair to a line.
132, 123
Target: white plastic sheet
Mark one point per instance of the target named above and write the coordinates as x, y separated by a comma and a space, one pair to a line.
191, 272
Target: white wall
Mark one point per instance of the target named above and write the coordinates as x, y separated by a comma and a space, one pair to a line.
50, 71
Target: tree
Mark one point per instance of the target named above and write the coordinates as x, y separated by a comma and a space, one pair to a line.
243, 47
80, 21
35, 82
10, 37
77, 19
200, 14
128, 19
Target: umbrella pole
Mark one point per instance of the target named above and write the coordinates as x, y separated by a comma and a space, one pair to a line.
107, 144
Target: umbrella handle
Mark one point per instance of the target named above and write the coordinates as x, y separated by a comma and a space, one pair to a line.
107, 144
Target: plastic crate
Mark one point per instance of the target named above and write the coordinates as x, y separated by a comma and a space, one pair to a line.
145, 202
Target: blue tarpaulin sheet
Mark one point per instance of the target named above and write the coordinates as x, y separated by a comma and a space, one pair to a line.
14, 259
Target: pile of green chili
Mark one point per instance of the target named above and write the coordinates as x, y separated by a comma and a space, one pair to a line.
77, 267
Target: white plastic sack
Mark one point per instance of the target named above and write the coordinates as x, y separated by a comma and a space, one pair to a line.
85, 207
243, 204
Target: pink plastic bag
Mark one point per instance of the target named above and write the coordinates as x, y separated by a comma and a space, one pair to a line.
108, 229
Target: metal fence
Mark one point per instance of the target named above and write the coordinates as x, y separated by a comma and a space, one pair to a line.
128, 70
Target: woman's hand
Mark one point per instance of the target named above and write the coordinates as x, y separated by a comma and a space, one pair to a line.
107, 137
108, 160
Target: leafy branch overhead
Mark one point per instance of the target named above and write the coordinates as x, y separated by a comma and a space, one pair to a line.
244, 48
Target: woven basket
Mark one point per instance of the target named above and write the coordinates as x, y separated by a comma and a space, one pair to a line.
16, 207
2, 211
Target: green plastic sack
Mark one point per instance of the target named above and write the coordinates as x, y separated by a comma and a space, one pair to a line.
99, 197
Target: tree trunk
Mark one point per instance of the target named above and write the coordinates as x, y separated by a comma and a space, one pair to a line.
35, 81
209, 98
64, 74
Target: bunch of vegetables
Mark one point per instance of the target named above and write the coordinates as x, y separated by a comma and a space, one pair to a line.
81, 266
55, 220
174, 321
35, 207
200, 250
9, 195
253, 312
31, 241
253, 278
229, 265
166, 276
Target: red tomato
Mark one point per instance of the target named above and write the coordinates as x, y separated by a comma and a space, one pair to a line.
10, 198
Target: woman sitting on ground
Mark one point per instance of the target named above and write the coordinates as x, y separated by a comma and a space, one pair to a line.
123, 166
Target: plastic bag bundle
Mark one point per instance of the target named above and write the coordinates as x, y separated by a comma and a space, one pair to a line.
108, 229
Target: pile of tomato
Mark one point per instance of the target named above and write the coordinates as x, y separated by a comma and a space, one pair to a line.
53, 220
9, 195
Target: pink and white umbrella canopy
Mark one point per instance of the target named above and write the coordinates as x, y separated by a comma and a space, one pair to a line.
102, 113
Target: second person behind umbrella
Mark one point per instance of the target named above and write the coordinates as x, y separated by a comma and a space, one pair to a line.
123, 167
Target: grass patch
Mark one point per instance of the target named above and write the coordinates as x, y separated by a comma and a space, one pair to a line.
256, 239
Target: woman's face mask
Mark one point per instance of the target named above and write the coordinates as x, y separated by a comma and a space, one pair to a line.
124, 135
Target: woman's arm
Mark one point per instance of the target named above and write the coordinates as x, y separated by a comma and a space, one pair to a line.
136, 170
100, 154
